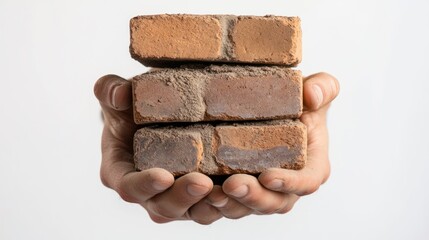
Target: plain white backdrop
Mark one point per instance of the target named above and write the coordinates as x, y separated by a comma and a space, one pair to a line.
52, 52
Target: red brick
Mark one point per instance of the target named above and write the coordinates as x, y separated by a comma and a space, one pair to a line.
157, 40
178, 151
267, 39
186, 37
224, 149
217, 93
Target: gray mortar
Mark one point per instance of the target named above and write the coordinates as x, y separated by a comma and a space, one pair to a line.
227, 23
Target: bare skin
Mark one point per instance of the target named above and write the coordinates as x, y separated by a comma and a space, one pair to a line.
193, 196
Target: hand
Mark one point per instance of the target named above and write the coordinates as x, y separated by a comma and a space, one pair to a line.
156, 190
276, 190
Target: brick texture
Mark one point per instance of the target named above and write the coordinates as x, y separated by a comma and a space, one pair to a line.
217, 93
223, 149
157, 40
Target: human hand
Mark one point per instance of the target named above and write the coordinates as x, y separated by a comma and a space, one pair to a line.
164, 198
276, 190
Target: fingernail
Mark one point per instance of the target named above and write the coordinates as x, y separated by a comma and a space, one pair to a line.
113, 96
240, 191
197, 190
220, 203
275, 184
319, 95
159, 186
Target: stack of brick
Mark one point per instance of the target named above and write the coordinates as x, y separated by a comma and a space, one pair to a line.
222, 98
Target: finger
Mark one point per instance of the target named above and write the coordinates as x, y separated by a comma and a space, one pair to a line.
185, 192
115, 96
300, 182
319, 90
203, 213
113, 92
228, 207
118, 172
317, 168
138, 187
117, 152
217, 198
247, 190
293, 198
159, 219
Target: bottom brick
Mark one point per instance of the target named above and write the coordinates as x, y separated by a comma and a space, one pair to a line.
222, 149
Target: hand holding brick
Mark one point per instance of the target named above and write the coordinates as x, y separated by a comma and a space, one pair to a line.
197, 93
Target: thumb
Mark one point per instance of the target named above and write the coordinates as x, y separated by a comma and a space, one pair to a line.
319, 90
113, 92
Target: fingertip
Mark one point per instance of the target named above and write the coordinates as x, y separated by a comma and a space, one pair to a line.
160, 179
231, 183
121, 97
183, 194
217, 197
278, 179
137, 187
313, 96
103, 82
199, 178
114, 92
197, 190
237, 186
319, 90
197, 184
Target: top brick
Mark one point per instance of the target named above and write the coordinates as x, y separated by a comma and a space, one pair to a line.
160, 40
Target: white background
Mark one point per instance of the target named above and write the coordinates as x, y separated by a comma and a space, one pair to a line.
52, 52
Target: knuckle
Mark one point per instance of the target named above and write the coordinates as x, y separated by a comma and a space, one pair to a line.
311, 121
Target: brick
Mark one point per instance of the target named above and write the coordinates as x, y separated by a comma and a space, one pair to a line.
223, 149
217, 93
159, 40
176, 151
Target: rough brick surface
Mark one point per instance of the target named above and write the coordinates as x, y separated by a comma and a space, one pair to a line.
177, 151
212, 93
223, 149
157, 40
